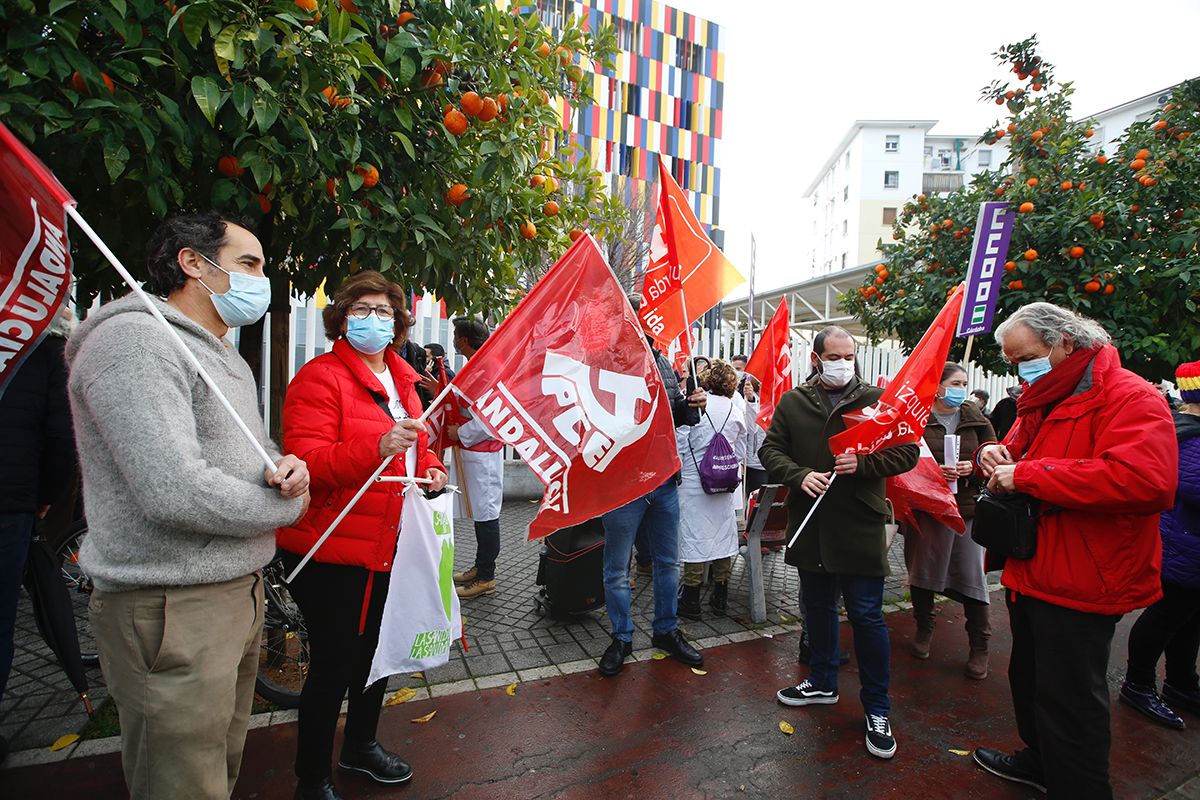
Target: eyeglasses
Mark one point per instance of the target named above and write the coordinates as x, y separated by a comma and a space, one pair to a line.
362, 311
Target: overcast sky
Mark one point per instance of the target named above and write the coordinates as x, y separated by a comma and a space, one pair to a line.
798, 74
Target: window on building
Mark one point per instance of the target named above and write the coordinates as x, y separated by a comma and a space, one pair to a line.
891, 179
843, 260
929, 151
847, 159
891, 144
845, 227
944, 158
985, 158
846, 194
889, 216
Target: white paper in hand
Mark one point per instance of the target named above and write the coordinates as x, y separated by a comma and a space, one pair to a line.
421, 617
950, 457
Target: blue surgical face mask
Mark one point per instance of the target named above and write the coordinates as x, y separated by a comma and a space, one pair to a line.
248, 298
370, 335
1030, 371
955, 396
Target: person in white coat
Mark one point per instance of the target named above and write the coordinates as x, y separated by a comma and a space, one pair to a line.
479, 460
708, 522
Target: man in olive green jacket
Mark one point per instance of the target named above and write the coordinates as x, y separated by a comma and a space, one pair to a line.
843, 547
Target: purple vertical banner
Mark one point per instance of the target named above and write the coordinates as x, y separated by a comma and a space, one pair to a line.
993, 230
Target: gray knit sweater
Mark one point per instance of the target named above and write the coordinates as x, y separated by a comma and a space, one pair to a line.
174, 493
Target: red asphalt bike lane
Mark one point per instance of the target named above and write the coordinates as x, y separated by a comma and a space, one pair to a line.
659, 731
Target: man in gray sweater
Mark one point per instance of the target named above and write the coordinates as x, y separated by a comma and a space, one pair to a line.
181, 515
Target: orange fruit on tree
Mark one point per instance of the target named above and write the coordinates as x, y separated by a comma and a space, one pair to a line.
999, 191
879, 281
1036, 135
1088, 133
405, 17
1031, 182
348, 6
502, 102
575, 233
920, 198
1065, 185
431, 78
457, 194
1102, 159
342, 102
1143, 153
370, 175
1092, 286
1158, 126
1017, 284
552, 184
331, 187
489, 111
544, 49
1037, 87
1076, 252
1009, 95
1009, 266
1025, 207
307, 5
330, 95
456, 122
550, 208
1109, 289
1031, 254
471, 103
1135, 208
228, 166
528, 229
537, 180
564, 55
947, 224
1012, 127
1137, 164
77, 82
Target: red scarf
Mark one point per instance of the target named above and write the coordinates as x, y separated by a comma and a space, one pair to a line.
1039, 399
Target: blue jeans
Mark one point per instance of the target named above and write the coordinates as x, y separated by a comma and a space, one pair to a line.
864, 607
660, 511
16, 532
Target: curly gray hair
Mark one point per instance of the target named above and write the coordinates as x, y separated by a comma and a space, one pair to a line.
1053, 324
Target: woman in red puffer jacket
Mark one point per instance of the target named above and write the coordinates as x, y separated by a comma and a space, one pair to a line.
345, 412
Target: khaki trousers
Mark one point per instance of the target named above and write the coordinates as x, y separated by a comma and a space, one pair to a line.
693, 574
180, 663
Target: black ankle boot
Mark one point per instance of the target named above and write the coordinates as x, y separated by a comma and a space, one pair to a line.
719, 600
318, 790
689, 604
372, 760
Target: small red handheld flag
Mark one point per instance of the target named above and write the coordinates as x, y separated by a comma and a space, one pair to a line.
569, 381
35, 255
687, 275
771, 363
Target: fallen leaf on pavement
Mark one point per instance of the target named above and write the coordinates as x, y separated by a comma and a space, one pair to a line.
786, 728
961, 752
64, 741
511, 690
424, 719
699, 671
401, 696
658, 656
418, 676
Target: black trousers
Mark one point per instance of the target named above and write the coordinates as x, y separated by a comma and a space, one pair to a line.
331, 598
1060, 694
487, 548
1171, 626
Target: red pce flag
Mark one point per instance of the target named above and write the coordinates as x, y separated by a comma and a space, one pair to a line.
901, 413
681, 350
35, 256
687, 275
569, 381
924, 489
771, 363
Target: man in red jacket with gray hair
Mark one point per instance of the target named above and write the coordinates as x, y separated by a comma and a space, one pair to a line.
1095, 444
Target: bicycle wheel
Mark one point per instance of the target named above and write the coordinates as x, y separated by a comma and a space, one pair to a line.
283, 661
66, 549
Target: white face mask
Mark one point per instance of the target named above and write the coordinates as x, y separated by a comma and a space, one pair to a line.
837, 374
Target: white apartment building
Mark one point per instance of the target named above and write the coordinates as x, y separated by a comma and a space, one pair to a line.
878, 165
1111, 123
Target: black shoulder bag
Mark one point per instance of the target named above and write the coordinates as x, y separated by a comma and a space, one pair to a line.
1006, 524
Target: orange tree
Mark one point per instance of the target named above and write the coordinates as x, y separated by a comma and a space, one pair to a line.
412, 137
1111, 234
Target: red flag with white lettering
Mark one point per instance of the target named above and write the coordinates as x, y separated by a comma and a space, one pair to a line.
687, 275
900, 415
35, 256
569, 381
771, 363
924, 489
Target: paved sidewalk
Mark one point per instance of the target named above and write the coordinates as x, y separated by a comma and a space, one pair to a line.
661, 731
508, 639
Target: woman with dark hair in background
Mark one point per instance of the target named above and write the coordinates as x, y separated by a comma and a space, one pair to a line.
939, 559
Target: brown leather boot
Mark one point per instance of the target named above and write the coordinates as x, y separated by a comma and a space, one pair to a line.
922, 601
979, 631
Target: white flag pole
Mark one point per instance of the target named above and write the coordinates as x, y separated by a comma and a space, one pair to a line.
807, 516
361, 491
153, 309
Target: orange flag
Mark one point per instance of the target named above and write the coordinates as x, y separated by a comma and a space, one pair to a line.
771, 363
687, 275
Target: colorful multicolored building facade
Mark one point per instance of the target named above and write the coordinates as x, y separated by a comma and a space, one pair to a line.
664, 95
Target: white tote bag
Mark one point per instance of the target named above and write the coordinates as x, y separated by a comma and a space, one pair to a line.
421, 617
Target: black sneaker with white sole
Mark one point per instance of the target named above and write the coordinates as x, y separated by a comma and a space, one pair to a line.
805, 695
880, 742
